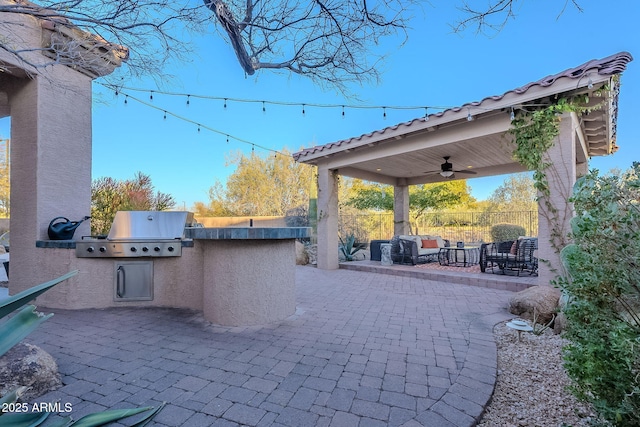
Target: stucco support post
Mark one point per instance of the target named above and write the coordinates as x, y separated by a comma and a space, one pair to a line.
555, 211
401, 224
327, 218
50, 168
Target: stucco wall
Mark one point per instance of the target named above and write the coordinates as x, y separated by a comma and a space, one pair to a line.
260, 288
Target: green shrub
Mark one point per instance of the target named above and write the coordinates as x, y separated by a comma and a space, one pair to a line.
603, 311
504, 232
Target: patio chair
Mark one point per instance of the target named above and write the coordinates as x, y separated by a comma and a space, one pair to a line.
514, 256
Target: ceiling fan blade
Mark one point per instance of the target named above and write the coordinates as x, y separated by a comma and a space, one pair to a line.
470, 172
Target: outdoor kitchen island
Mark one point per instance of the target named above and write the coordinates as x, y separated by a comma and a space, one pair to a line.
248, 273
236, 276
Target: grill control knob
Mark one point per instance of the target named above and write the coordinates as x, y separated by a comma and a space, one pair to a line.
145, 249
156, 248
103, 249
133, 249
170, 248
90, 249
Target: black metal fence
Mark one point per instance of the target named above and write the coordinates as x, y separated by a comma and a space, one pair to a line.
461, 226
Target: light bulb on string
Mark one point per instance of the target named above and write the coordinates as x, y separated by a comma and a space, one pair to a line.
225, 103
512, 115
151, 96
426, 114
384, 113
126, 99
188, 100
303, 112
264, 110
198, 128
165, 115
227, 139
469, 117
343, 111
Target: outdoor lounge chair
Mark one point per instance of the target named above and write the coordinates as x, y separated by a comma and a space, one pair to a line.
509, 256
405, 249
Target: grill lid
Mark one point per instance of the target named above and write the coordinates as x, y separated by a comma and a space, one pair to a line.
149, 225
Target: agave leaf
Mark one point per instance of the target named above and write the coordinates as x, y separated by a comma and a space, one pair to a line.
26, 419
18, 300
102, 418
19, 326
12, 396
147, 418
64, 422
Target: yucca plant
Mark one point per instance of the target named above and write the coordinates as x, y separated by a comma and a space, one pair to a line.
14, 330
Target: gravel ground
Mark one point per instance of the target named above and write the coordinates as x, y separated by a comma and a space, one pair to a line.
531, 389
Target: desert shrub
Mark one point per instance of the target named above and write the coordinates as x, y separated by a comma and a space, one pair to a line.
503, 232
603, 311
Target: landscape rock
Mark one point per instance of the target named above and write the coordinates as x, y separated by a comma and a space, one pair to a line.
302, 257
30, 366
541, 300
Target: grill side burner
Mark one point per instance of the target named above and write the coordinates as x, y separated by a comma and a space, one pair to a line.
136, 234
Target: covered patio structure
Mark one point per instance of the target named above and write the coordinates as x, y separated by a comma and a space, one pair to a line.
475, 136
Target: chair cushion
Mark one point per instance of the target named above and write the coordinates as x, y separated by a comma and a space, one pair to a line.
429, 244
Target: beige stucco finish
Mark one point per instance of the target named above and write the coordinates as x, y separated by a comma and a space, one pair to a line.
248, 282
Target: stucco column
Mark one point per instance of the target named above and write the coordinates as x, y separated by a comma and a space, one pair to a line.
555, 211
50, 166
327, 218
401, 223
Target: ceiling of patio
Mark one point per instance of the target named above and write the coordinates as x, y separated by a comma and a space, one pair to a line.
475, 135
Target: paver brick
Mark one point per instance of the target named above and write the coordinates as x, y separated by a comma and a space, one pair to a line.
384, 350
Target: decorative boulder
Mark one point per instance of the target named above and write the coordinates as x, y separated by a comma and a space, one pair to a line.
539, 300
30, 366
302, 257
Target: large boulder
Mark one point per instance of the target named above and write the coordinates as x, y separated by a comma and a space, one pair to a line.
302, 257
30, 366
541, 301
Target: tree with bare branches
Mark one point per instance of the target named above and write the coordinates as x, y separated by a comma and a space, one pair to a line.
492, 17
333, 42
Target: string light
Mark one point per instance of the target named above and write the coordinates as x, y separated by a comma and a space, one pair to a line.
201, 126
264, 110
590, 83
513, 115
426, 114
126, 98
303, 111
188, 96
284, 103
384, 113
151, 96
469, 117
343, 111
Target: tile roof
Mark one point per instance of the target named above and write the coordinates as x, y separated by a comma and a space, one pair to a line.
609, 66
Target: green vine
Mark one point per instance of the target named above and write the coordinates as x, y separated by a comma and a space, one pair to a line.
534, 134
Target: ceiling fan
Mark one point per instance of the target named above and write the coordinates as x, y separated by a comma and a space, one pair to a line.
446, 169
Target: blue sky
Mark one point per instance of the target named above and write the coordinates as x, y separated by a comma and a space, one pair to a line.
435, 67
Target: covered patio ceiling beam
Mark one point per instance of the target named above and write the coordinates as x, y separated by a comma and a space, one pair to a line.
481, 127
367, 176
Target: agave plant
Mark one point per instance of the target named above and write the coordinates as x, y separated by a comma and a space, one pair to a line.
12, 331
349, 247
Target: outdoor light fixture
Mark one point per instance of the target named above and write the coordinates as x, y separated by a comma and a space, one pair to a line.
446, 174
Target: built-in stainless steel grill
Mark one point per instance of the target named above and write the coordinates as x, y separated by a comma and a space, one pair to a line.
139, 234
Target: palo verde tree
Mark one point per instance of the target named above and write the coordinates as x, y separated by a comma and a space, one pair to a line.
274, 185
110, 195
